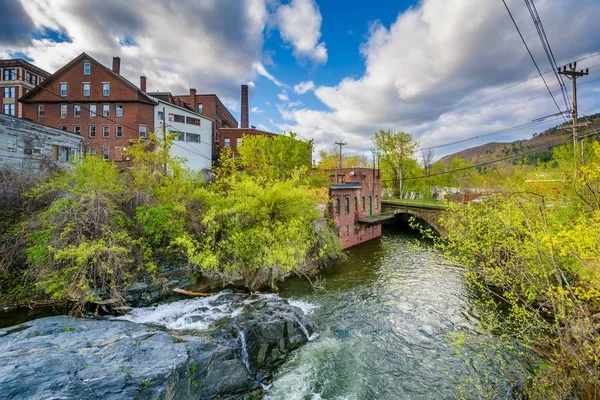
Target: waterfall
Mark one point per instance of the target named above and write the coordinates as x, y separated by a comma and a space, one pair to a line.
303, 329
242, 339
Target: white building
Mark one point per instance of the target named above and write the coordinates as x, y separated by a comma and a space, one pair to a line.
195, 133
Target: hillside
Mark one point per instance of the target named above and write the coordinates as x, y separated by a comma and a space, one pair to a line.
537, 148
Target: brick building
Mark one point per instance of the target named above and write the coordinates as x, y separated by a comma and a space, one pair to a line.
17, 77
232, 137
86, 98
210, 106
356, 199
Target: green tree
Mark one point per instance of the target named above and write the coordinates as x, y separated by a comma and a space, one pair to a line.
331, 159
397, 155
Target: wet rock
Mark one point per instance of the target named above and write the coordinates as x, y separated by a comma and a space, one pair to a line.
61, 357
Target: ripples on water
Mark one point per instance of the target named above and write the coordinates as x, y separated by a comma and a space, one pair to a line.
383, 324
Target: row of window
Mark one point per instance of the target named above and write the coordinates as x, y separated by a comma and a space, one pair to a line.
59, 153
142, 131
227, 142
188, 137
182, 119
64, 110
86, 89
105, 152
10, 74
347, 204
9, 92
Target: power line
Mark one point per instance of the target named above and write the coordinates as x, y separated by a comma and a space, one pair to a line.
532, 59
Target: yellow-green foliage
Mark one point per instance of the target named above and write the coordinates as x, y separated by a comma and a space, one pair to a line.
539, 249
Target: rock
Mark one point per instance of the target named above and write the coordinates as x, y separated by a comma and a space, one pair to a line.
62, 357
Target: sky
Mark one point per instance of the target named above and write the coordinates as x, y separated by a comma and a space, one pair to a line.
442, 70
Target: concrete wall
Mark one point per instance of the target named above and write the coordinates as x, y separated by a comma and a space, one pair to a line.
198, 155
35, 145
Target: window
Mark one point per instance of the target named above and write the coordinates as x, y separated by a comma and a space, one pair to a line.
347, 205
86, 89
347, 230
92, 151
161, 116
176, 118
41, 111
9, 92
118, 131
355, 204
119, 110
37, 151
9, 109
11, 143
337, 206
238, 142
376, 202
63, 127
142, 131
106, 110
92, 110
92, 131
105, 154
192, 121
199, 108
227, 142
10, 74
105, 131
77, 129
192, 137
86, 67
63, 89
73, 153
106, 89
30, 78
363, 203
63, 110
181, 137
77, 110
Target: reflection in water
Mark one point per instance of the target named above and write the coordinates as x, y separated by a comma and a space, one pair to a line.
383, 324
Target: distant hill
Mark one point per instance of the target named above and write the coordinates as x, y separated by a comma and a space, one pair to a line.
520, 148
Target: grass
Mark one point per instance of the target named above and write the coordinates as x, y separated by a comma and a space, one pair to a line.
426, 203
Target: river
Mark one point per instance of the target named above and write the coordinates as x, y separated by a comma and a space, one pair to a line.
383, 322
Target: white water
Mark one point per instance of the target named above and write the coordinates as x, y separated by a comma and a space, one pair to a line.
195, 314
242, 339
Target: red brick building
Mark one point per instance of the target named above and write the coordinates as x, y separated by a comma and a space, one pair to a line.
232, 137
211, 107
356, 199
17, 77
96, 102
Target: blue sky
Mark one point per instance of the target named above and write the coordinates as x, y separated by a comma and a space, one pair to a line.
442, 70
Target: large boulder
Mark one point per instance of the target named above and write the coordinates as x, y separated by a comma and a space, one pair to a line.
62, 357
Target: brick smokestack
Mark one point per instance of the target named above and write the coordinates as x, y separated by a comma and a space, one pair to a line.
193, 99
244, 106
117, 65
143, 83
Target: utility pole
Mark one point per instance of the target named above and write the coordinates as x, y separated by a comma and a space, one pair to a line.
573, 75
340, 143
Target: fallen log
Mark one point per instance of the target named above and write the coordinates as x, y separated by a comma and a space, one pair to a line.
188, 293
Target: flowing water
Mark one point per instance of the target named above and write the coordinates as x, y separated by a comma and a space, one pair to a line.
383, 325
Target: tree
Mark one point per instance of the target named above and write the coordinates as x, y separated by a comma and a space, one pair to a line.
274, 157
397, 151
331, 158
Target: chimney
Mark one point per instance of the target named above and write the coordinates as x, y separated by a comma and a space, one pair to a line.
193, 99
244, 106
117, 65
143, 83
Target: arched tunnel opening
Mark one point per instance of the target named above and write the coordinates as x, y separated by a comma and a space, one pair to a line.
406, 222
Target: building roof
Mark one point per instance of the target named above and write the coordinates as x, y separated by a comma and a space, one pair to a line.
27, 125
248, 130
83, 56
18, 62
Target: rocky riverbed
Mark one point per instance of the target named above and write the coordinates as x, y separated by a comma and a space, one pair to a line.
223, 346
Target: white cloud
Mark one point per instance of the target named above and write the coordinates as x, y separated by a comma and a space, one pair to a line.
283, 96
304, 87
261, 70
299, 23
439, 54
195, 49
256, 110
293, 104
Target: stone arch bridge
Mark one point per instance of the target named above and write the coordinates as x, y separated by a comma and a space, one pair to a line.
429, 213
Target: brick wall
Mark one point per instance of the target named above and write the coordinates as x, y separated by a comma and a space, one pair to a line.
236, 133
